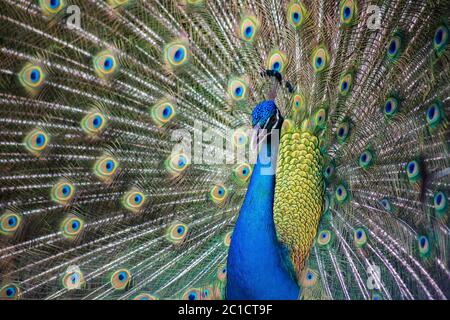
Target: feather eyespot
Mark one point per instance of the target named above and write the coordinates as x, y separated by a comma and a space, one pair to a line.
386, 204
309, 278
248, 28
434, 115
93, 123
222, 273
320, 118
298, 102
177, 163
440, 203
9, 223
218, 194
345, 83
413, 171
342, 132
296, 14
394, 47
120, 279
360, 237
348, 12
276, 61
242, 172
36, 141
177, 232
145, 296
441, 39
240, 138
390, 107
105, 64
328, 172
105, 167
73, 279
51, 7
366, 159
287, 126
176, 54
227, 238
341, 194
324, 238
133, 200
424, 246
237, 89
72, 227
320, 59
162, 112
31, 77
192, 294
62, 192
10, 292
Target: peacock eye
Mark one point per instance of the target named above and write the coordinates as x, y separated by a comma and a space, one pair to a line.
62, 192
177, 163
298, 102
394, 47
9, 223
221, 273
296, 14
441, 39
324, 238
360, 237
386, 204
133, 200
36, 141
242, 173
51, 7
120, 279
341, 194
424, 246
237, 89
176, 54
72, 227
9, 292
365, 159
192, 294
345, 83
73, 278
276, 61
248, 28
162, 112
145, 296
412, 171
105, 167
177, 232
105, 64
93, 123
320, 59
320, 118
390, 107
227, 238
440, 203
309, 279
342, 132
348, 9
434, 115
329, 170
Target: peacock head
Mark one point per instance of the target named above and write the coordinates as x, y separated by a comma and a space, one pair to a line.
265, 118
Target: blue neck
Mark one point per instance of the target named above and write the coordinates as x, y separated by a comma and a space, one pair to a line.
258, 266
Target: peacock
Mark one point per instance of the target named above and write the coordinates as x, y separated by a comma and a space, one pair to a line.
224, 149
